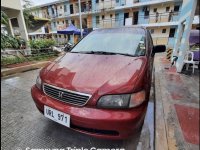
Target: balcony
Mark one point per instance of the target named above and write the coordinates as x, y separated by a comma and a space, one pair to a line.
106, 5
161, 19
85, 8
156, 19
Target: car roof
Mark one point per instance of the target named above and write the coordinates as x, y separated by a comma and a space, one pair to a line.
128, 29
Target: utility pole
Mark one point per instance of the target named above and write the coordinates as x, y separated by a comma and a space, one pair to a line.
79, 5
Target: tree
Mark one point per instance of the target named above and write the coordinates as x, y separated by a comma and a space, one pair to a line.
4, 18
28, 17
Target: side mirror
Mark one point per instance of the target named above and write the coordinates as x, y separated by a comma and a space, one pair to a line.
159, 49
68, 47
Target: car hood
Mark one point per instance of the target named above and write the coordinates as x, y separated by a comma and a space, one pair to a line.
90, 73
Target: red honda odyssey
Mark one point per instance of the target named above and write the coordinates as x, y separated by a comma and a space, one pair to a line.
101, 87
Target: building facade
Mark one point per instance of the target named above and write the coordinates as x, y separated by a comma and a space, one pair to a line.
161, 17
14, 12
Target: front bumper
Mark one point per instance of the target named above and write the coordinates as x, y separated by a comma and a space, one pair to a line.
104, 123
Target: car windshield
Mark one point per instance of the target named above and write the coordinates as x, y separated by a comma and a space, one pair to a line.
113, 41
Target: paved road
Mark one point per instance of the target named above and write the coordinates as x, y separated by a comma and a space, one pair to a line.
23, 126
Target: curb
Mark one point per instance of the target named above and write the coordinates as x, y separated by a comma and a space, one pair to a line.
161, 141
10, 71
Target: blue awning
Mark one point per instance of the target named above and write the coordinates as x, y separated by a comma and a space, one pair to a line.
71, 30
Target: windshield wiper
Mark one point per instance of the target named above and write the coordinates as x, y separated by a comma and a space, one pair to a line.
105, 53
96, 52
126, 54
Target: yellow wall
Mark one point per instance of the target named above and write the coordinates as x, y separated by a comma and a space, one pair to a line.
106, 4
60, 9
108, 21
89, 21
60, 26
161, 8
158, 36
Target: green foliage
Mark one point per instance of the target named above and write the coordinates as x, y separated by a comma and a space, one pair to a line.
28, 17
15, 60
8, 41
4, 18
41, 43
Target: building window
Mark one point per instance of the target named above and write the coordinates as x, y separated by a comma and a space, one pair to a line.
14, 22
52, 10
155, 10
163, 30
116, 17
152, 31
60, 7
176, 8
72, 21
66, 21
57, 22
97, 1
59, 36
117, 1
97, 19
102, 17
172, 32
63, 22
167, 9
54, 24
146, 14
65, 8
110, 15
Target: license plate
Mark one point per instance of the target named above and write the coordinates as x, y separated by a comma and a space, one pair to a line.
57, 116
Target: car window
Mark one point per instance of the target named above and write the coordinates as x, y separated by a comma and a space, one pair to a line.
113, 42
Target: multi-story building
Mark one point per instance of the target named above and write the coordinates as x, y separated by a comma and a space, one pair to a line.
162, 17
16, 21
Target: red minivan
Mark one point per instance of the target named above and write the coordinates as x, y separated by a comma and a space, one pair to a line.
101, 87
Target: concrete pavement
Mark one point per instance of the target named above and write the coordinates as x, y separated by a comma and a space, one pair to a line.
177, 107
24, 127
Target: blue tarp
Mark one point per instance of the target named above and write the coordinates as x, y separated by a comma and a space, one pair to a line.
71, 30
194, 37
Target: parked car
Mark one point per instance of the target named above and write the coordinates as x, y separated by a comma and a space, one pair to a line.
101, 87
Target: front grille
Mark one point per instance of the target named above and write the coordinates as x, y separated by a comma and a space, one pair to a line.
95, 131
67, 96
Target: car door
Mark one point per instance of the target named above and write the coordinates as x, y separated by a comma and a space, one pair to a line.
149, 46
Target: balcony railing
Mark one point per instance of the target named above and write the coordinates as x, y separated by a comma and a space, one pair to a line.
140, 19
161, 17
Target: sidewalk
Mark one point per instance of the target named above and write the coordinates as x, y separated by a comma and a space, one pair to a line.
177, 107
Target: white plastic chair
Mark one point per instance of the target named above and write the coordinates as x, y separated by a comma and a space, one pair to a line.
189, 60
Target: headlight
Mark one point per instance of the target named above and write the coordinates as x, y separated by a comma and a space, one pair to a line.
39, 82
137, 99
121, 101
114, 101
